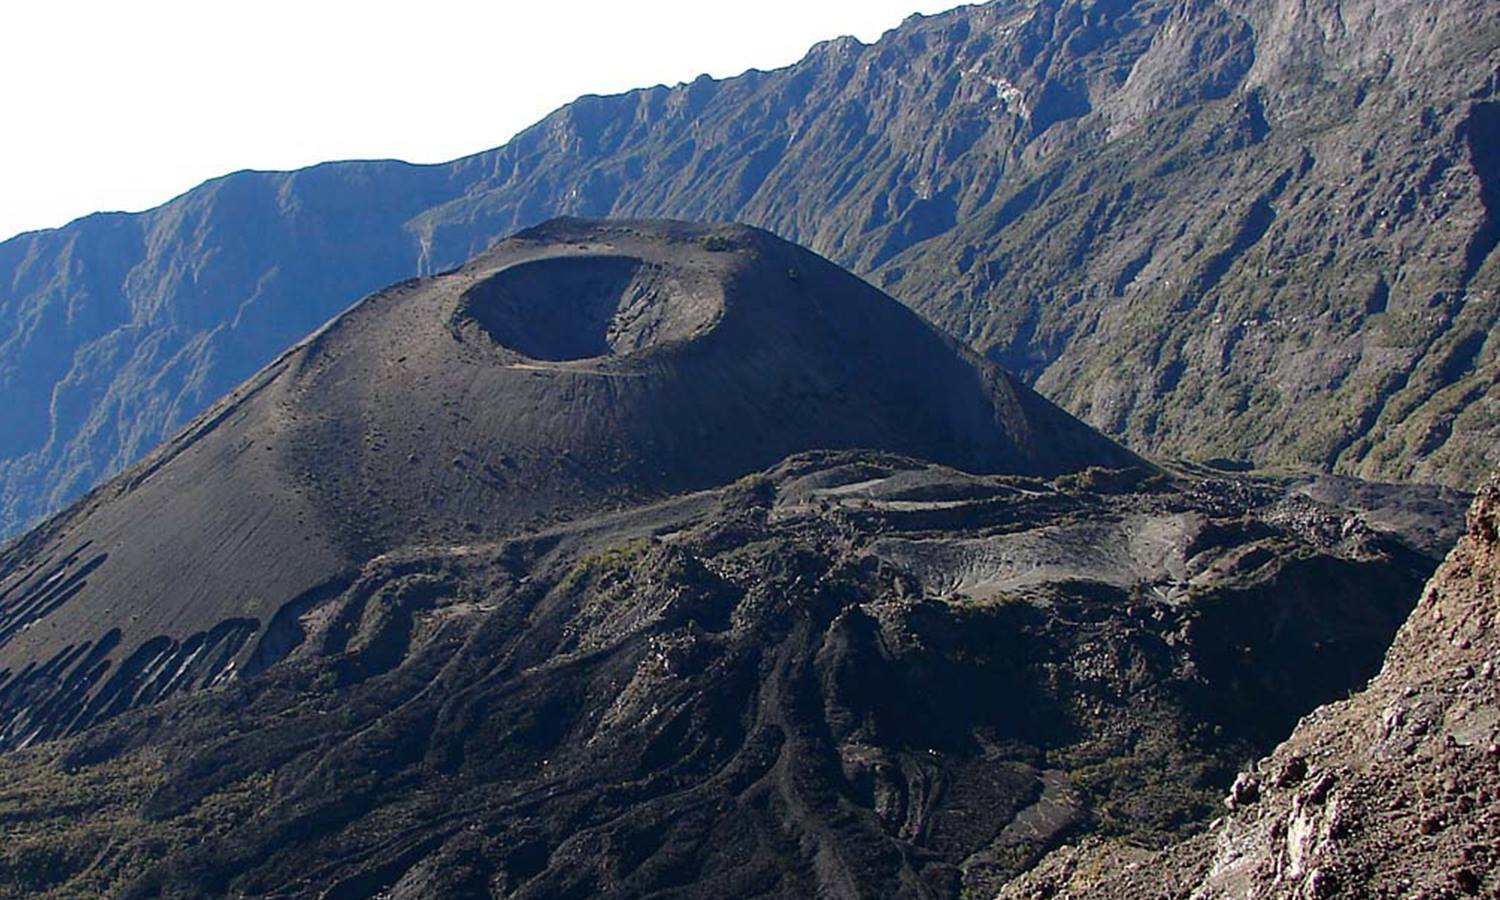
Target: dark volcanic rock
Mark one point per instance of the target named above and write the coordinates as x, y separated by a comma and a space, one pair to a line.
1257, 230
601, 565
853, 675
1393, 792
578, 367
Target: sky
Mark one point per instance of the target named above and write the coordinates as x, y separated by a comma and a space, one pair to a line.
124, 104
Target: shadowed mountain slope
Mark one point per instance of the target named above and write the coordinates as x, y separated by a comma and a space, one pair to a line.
1392, 792
1254, 230
578, 367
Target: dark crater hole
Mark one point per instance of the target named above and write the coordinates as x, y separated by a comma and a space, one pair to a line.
580, 307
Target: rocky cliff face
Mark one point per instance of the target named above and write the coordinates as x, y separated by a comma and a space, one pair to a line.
1394, 792
1297, 271
1256, 230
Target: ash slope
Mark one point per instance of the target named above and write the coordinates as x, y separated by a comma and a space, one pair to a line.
578, 367
854, 675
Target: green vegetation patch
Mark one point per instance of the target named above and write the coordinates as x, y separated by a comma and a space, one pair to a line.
79, 832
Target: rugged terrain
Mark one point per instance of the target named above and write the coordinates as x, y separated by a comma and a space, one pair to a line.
1394, 792
576, 368
641, 558
853, 675
1260, 231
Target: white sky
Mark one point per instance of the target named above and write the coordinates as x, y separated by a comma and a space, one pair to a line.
123, 104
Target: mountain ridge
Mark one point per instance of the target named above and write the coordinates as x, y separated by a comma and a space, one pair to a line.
1127, 203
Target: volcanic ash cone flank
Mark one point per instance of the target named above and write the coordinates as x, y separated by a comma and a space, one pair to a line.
574, 369
586, 364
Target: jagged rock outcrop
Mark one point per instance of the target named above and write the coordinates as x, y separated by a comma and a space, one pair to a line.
1394, 792
1253, 230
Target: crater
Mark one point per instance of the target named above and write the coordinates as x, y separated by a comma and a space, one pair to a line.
583, 307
